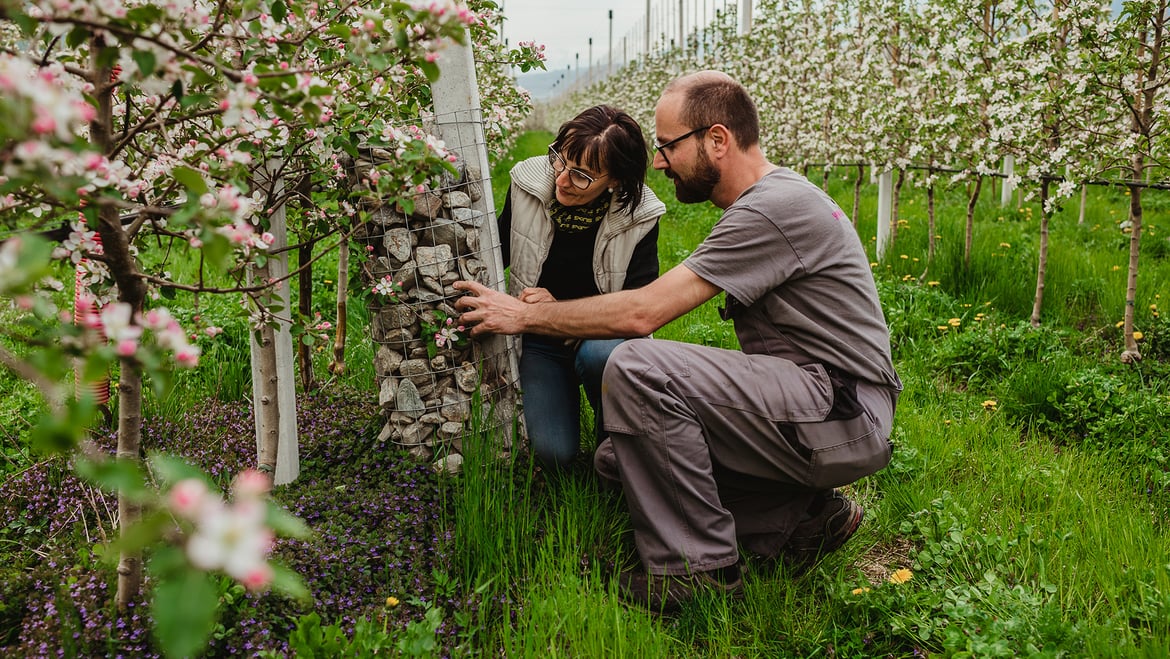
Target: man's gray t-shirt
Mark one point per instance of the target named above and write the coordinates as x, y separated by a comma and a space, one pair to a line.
797, 280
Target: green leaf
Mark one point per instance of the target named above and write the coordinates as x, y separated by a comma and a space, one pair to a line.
77, 36
146, 532
122, 476
216, 250
285, 523
191, 179
169, 469
184, 613
61, 432
166, 561
430, 69
33, 255
95, 369
28, 24
289, 583
193, 100
148, 14
279, 11
145, 60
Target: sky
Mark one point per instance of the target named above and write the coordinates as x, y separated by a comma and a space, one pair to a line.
565, 26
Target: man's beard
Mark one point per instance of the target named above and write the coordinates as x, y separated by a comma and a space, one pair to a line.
697, 187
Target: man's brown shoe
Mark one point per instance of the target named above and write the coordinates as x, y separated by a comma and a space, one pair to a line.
834, 522
666, 593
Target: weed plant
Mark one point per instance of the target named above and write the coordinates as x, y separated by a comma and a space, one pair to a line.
1024, 513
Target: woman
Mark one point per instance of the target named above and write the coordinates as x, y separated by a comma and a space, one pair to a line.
578, 221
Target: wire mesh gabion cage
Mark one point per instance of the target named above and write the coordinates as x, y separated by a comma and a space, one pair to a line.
436, 387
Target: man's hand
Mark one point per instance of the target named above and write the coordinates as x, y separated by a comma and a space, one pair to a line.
488, 311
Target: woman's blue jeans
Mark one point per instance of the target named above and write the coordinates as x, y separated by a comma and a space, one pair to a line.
551, 376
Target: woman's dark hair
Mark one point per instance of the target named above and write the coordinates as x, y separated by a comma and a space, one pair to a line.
605, 139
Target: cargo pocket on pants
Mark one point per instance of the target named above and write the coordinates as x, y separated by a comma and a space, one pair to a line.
845, 446
840, 452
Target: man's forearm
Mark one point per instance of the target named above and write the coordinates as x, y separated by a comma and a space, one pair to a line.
612, 316
623, 314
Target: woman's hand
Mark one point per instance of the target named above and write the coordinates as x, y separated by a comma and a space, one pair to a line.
536, 295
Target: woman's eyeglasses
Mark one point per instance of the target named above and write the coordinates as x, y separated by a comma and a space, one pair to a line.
578, 178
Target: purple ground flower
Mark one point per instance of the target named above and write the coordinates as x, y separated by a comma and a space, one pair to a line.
380, 522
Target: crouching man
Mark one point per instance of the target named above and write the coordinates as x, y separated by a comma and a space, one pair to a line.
717, 449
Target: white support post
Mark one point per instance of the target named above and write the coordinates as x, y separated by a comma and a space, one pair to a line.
745, 17
459, 119
1009, 170
646, 51
288, 452
885, 211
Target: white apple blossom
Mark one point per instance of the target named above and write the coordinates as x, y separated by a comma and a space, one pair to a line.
232, 537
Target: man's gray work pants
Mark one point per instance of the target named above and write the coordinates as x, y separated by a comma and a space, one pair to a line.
715, 445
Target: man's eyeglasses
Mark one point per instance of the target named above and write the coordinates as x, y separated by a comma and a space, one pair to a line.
578, 178
661, 148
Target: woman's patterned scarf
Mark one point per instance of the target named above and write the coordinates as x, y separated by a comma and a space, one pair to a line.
575, 219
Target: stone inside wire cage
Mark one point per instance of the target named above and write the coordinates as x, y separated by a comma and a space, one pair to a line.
436, 385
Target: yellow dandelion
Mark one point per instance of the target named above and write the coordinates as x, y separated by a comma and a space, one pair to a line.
1006, 245
1000, 218
932, 283
967, 306
392, 602
873, 265
955, 322
859, 591
1119, 324
938, 236
946, 422
901, 576
915, 259
943, 328
328, 281
904, 256
907, 277
1153, 307
990, 404
1138, 336
1116, 268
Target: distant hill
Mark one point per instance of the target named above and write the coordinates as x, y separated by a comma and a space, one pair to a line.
544, 85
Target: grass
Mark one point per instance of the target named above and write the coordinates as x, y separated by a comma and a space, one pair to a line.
1028, 494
